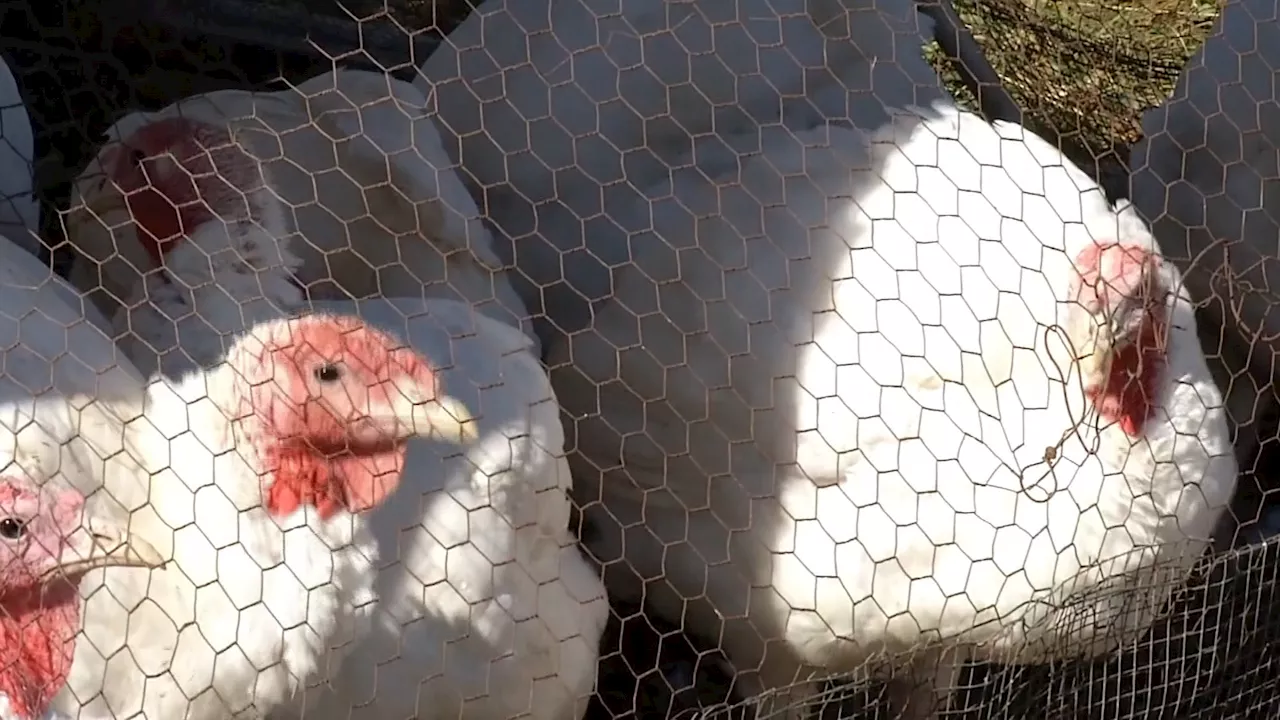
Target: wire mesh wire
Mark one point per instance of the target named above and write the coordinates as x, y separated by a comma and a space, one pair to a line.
1081, 71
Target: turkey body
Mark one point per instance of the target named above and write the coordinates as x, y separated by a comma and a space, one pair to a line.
485, 607
818, 407
54, 346
564, 112
54, 341
357, 168
248, 607
1206, 176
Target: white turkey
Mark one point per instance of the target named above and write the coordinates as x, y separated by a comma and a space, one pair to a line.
51, 339
353, 164
562, 111
48, 542
253, 480
485, 606
19, 210
52, 345
487, 609
1206, 175
920, 390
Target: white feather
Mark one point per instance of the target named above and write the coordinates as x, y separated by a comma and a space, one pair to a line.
250, 608
841, 347
358, 169
565, 111
222, 280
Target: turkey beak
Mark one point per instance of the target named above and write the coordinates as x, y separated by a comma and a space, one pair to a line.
1111, 333
1094, 364
414, 414
103, 544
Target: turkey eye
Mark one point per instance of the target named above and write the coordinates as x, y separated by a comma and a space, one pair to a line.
328, 373
12, 529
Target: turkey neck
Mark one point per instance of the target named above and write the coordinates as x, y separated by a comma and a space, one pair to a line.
37, 631
169, 214
245, 248
168, 210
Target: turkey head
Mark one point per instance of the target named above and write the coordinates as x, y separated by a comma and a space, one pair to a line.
331, 404
177, 174
46, 547
1118, 320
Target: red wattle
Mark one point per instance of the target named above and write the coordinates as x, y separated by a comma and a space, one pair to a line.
38, 634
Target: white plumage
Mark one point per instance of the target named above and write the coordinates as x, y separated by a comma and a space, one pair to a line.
268, 556
565, 111
52, 344
823, 397
484, 606
358, 171
52, 341
1205, 175
222, 279
19, 210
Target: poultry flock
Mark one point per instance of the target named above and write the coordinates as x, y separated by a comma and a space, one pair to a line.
845, 380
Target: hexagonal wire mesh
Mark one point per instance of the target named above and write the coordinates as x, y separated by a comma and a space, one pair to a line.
879, 467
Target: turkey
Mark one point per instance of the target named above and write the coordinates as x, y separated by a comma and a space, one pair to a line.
52, 345
223, 276
19, 210
1206, 176
854, 377
486, 607
47, 544
349, 160
51, 340
562, 111
254, 481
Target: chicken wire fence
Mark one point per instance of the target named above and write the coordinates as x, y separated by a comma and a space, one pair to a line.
1081, 72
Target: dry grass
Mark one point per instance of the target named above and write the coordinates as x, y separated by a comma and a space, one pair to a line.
1086, 69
